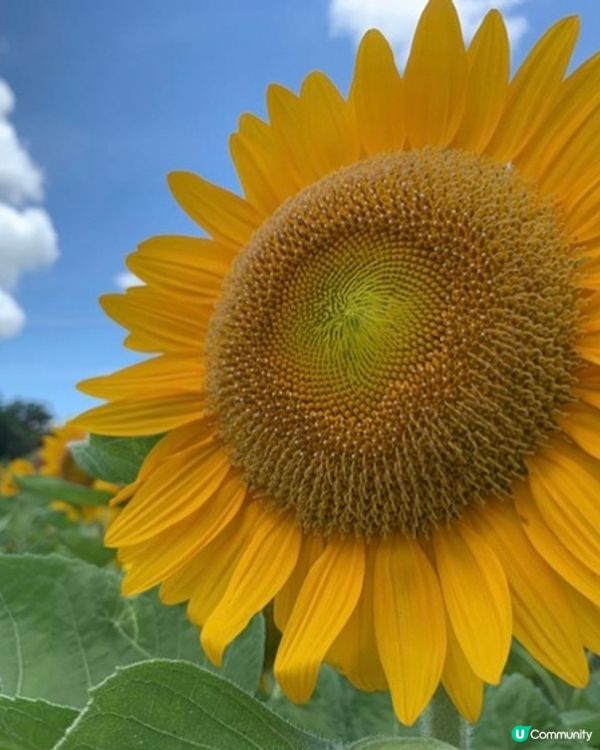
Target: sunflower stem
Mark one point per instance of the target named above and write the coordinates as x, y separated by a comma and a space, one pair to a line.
443, 722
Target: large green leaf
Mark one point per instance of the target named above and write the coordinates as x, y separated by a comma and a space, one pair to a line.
32, 725
517, 701
51, 488
64, 628
113, 459
338, 711
166, 705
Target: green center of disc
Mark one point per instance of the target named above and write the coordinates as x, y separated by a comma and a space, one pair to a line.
346, 315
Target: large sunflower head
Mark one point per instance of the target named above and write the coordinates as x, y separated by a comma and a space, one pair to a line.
377, 376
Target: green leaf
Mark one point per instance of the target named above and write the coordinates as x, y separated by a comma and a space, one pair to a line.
166, 705
244, 659
582, 718
84, 540
340, 711
26, 525
64, 628
113, 459
30, 525
517, 701
584, 710
32, 725
405, 743
52, 488
588, 697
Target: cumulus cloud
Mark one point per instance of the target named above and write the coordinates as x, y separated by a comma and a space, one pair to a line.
397, 19
126, 279
12, 318
28, 240
20, 179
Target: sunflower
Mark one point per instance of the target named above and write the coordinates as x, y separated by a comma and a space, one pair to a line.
378, 379
56, 460
18, 467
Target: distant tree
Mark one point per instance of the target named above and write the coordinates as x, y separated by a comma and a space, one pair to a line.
22, 426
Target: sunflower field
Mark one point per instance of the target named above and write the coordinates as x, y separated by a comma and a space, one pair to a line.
348, 496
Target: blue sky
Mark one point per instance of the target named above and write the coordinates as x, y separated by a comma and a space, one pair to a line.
112, 95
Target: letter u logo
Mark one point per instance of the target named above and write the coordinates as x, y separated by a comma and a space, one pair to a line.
520, 733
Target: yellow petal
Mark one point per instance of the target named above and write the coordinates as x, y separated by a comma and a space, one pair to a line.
590, 322
326, 600
460, 682
377, 97
589, 278
577, 97
476, 594
329, 125
124, 494
591, 249
267, 148
132, 418
191, 252
312, 548
588, 619
410, 624
196, 433
158, 323
227, 217
177, 488
261, 164
543, 619
255, 184
205, 577
196, 282
583, 211
589, 347
435, 78
157, 558
354, 651
532, 92
582, 424
553, 549
265, 565
565, 483
576, 164
588, 389
168, 374
287, 123
488, 59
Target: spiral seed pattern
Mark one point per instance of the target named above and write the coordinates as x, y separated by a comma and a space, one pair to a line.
394, 341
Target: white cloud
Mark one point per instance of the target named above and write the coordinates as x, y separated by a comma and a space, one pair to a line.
20, 179
12, 318
126, 279
28, 240
397, 19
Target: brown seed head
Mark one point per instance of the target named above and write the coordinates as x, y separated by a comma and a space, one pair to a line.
394, 341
